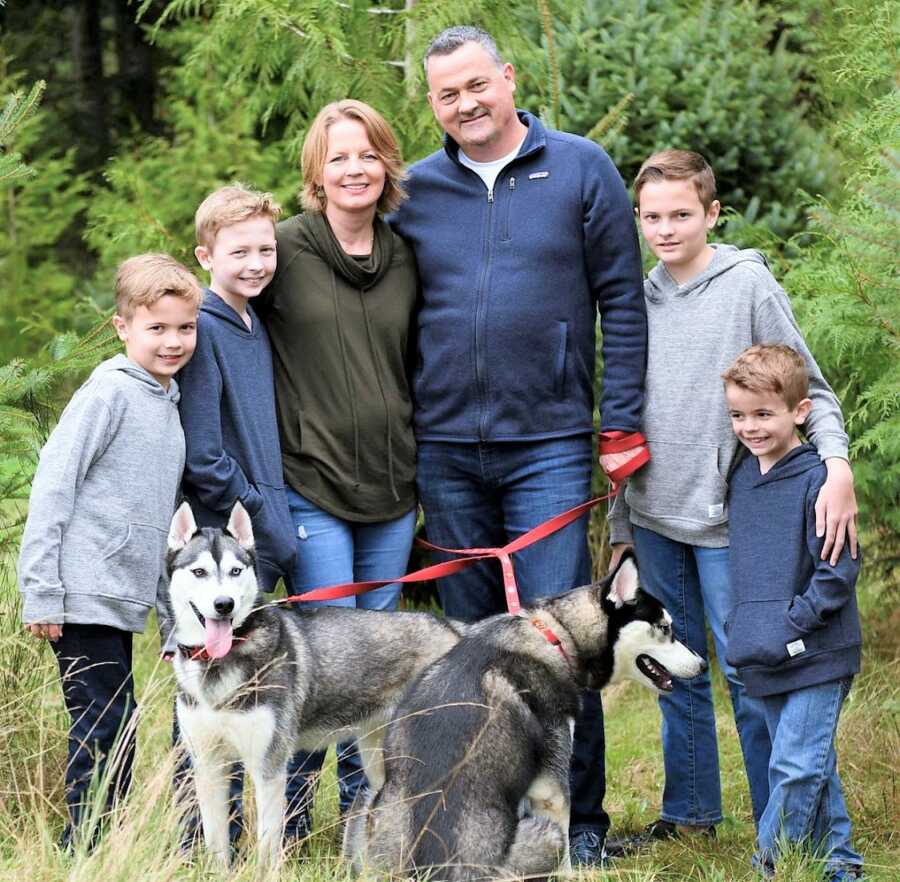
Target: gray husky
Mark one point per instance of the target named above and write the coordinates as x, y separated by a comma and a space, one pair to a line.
257, 682
476, 758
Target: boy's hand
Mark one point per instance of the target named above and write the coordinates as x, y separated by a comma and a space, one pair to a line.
836, 510
50, 632
617, 551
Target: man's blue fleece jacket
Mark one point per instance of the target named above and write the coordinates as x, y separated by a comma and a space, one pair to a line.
794, 621
511, 283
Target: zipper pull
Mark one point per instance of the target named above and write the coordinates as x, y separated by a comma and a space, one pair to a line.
512, 183
490, 197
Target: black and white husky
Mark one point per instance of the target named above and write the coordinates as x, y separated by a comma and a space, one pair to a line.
257, 682
487, 729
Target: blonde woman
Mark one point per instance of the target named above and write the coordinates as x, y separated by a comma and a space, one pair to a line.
338, 313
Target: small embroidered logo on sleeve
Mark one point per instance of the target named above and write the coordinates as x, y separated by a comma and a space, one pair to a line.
715, 511
795, 648
536, 176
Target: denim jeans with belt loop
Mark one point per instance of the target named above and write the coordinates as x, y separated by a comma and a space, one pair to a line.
693, 584
806, 803
331, 551
485, 495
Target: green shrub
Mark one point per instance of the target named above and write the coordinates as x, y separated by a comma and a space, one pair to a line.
704, 77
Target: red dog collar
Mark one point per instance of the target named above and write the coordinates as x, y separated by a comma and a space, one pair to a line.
547, 633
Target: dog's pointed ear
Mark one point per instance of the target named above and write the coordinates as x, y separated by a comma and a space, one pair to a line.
240, 527
624, 586
182, 528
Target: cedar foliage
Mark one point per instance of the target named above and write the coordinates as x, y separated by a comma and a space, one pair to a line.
243, 78
845, 283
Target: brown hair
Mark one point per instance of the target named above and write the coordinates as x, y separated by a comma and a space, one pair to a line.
771, 367
142, 280
678, 165
381, 137
231, 205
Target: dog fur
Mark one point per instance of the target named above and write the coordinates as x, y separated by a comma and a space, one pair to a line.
487, 729
279, 679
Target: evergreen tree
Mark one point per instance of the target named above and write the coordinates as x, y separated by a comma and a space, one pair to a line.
845, 284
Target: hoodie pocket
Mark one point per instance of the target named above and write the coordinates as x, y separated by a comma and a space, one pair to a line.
273, 531
759, 632
681, 482
559, 367
130, 569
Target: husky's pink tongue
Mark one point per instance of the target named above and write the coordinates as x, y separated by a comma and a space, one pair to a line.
218, 637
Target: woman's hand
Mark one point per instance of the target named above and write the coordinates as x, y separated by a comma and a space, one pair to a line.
836, 510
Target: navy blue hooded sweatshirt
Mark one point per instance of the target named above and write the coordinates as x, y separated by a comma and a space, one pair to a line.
231, 434
794, 620
511, 283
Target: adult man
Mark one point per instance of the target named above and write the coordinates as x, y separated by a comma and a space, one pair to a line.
520, 232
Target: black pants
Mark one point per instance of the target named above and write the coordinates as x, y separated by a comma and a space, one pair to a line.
95, 669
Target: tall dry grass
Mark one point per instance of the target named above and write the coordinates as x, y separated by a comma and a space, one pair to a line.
142, 843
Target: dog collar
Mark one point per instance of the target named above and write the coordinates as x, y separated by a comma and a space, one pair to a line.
547, 633
194, 653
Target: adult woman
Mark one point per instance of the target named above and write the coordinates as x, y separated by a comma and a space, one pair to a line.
338, 312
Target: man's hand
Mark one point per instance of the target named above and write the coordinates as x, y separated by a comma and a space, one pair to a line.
44, 631
836, 510
617, 551
609, 462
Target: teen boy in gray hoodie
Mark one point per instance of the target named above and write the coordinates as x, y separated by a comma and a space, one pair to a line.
92, 552
705, 304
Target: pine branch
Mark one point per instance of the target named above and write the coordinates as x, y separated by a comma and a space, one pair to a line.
16, 110
552, 60
612, 122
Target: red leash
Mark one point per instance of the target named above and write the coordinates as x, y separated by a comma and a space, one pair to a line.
469, 557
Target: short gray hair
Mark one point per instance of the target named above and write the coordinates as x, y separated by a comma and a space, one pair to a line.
450, 39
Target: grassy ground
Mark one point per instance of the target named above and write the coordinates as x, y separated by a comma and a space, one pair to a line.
143, 845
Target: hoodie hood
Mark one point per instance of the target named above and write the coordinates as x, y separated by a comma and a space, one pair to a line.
660, 285
214, 305
799, 460
149, 384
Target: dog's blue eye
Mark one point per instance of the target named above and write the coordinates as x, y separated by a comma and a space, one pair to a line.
199, 573
235, 571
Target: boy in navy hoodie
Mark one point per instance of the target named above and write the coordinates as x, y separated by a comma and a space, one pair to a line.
793, 632
227, 390
228, 399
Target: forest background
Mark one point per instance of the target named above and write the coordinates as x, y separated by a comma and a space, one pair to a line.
118, 118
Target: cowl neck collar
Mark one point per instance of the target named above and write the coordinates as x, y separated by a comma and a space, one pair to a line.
361, 273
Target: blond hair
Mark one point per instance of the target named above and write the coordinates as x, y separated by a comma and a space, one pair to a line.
142, 280
678, 165
381, 137
231, 205
773, 368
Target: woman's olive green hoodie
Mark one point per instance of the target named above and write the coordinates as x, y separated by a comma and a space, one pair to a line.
340, 328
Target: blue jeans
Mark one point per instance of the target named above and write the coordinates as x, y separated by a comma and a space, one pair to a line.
484, 495
331, 551
693, 584
806, 803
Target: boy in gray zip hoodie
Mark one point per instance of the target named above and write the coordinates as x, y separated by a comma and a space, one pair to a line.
103, 494
706, 304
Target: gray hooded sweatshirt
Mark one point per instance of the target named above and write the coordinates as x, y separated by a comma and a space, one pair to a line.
101, 502
695, 331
